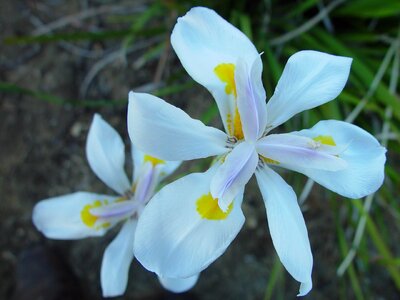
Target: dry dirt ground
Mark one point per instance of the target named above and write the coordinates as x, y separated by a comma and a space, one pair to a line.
42, 154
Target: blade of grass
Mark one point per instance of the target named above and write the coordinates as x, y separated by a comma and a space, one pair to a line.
274, 277
380, 245
370, 8
355, 283
307, 25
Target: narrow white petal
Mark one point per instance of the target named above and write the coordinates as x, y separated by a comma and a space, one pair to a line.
287, 228
145, 184
251, 98
60, 217
167, 132
116, 261
234, 173
166, 167
294, 151
310, 79
105, 152
203, 40
179, 235
363, 154
179, 285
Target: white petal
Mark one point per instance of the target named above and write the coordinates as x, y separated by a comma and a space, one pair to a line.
310, 79
178, 285
287, 228
173, 239
295, 151
251, 98
116, 261
60, 217
234, 173
105, 152
363, 153
203, 40
167, 132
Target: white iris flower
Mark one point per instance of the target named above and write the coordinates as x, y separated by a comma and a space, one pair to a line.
191, 222
84, 214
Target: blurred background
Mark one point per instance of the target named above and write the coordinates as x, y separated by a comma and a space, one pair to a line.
61, 61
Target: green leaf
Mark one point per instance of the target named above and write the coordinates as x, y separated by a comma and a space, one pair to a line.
370, 8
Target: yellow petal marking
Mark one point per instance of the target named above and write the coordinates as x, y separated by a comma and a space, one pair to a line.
226, 73
90, 220
229, 122
87, 218
154, 160
325, 139
269, 160
208, 208
237, 125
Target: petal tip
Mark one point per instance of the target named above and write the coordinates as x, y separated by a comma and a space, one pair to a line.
305, 288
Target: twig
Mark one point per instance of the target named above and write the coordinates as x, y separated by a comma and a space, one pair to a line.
374, 85
110, 58
326, 20
89, 13
307, 25
164, 57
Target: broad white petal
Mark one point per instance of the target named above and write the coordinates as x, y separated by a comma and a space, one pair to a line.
310, 79
363, 154
179, 234
116, 261
178, 285
203, 40
167, 132
287, 228
61, 217
251, 98
295, 151
105, 152
234, 173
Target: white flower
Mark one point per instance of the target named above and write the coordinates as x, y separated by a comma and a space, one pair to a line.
84, 214
191, 222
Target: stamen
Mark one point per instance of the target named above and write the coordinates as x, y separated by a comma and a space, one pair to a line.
231, 141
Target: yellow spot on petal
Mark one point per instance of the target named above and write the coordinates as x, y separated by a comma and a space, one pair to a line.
226, 73
269, 160
87, 218
208, 208
105, 225
154, 160
325, 139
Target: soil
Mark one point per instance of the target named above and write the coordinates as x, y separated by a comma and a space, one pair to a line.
42, 154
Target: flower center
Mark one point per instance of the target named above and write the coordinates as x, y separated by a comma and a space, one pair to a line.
101, 214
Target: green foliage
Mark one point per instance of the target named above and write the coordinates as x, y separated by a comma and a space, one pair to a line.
367, 31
